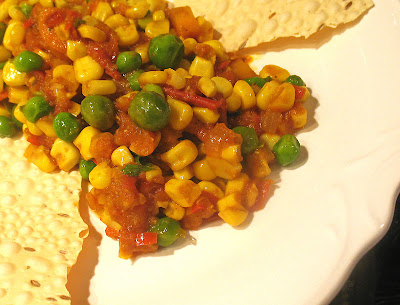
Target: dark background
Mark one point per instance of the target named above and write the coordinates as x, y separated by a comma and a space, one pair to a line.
376, 278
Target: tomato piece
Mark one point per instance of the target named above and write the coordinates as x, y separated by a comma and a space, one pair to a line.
146, 238
299, 92
28, 23
112, 233
192, 99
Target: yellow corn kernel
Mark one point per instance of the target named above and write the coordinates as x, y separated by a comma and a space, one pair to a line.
249, 197
276, 72
4, 110
14, 35
38, 155
91, 32
246, 93
153, 173
203, 171
158, 15
127, 35
231, 210
305, 96
232, 154
116, 20
189, 44
62, 32
156, 5
218, 48
45, 124
143, 50
138, 9
86, 69
34, 129
61, 3
18, 114
258, 161
18, 94
201, 67
207, 30
184, 173
76, 49
25, 131
15, 13
233, 102
206, 115
283, 98
298, 114
155, 28
181, 155
184, 72
200, 149
153, 77
65, 154
75, 109
90, 20
100, 176
121, 156
182, 192
266, 94
100, 87
1, 82
207, 87
269, 139
12, 77
224, 86
46, 3
175, 79
223, 168
4, 53
211, 188
174, 211
102, 11
83, 140
67, 74
236, 185
4, 6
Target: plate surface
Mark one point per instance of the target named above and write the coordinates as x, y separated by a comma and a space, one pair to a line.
326, 211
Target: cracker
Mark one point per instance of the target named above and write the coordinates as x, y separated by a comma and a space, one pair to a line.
248, 23
41, 231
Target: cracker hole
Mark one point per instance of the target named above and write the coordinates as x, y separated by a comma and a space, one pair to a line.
320, 27
64, 297
35, 283
63, 251
272, 15
348, 5
29, 249
63, 215
51, 299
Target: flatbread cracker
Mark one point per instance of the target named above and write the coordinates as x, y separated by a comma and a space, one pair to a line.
41, 231
245, 23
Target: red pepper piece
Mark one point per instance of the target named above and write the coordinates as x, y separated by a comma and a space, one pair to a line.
299, 92
35, 140
28, 23
146, 238
113, 233
3, 95
192, 99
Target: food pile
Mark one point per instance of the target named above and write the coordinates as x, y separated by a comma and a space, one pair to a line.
170, 130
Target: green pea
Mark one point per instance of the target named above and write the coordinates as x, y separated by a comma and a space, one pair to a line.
3, 28
16, 123
66, 126
168, 231
134, 80
27, 61
98, 111
36, 108
128, 61
295, 80
7, 128
143, 22
287, 149
26, 9
2, 64
155, 88
259, 81
85, 167
166, 51
250, 139
149, 110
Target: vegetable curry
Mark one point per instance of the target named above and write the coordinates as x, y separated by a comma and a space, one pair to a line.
170, 130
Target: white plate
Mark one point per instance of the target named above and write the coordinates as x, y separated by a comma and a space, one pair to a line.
325, 213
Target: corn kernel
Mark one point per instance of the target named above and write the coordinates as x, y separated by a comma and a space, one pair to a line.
189, 44
127, 35
62, 32
182, 192
184, 173
67, 75
34, 129
102, 11
12, 77
14, 35
231, 209
74, 108
143, 50
258, 162
269, 139
18, 114
232, 154
91, 21
5, 54
76, 49
61, 3
15, 13
175, 79
39, 156
223, 168
156, 28
218, 48
283, 99
181, 155
201, 67
237, 185
18, 94
46, 3
249, 197
202, 170
156, 5
153, 77
4, 6
305, 96
91, 32
99, 87
83, 140
115, 21
45, 124
153, 173
100, 176
207, 30
246, 93
184, 72
86, 69
206, 115
233, 102
174, 211
298, 114
224, 86
276, 72
65, 154
211, 188
266, 94
121, 156
207, 87
137, 9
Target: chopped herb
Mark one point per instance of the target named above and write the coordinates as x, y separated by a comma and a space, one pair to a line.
134, 170
78, 22
259, 81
